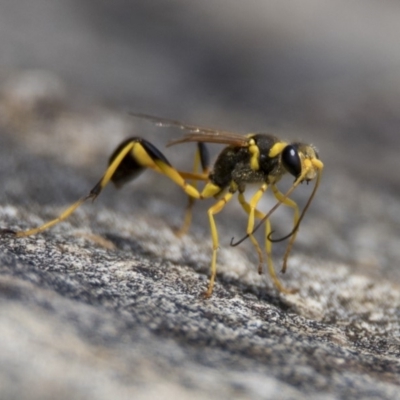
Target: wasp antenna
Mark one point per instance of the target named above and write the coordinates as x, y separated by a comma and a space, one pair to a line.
239, 241
285, 196
291, 233
268, 214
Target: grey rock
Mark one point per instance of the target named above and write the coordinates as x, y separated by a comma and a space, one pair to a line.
109, 303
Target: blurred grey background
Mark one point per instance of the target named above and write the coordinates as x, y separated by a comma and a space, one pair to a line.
107, 305
322, 72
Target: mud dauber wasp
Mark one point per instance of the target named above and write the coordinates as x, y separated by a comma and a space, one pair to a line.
253, 158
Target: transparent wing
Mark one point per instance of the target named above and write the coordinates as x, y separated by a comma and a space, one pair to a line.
197, 133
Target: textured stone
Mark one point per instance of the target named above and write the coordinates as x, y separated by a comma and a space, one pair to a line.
109, 303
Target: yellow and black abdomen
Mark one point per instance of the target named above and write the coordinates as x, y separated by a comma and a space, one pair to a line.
133, 165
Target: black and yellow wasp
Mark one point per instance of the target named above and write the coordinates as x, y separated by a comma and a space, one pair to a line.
254, 158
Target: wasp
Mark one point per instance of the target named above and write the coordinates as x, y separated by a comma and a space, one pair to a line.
255, 158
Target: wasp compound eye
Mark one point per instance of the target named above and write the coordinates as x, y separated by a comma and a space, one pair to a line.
291, 160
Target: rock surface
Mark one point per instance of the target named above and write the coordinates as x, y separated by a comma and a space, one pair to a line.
109, 304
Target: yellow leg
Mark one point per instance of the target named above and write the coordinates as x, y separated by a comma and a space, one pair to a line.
174, 175
53, 222
215, 209
193, 176
187, 219
290, 203
92, 195
142, 156
191, 201
268, 245
252, 211
271, 269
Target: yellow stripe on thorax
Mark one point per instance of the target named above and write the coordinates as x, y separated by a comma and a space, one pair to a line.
255, 155
277, 149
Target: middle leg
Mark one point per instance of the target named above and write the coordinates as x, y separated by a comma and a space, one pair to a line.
253, 212
215, 209
201, 158
292, 204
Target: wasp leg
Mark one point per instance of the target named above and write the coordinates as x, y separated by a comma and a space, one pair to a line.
129, 159
252, 211
290, 203
268, 245
215, 209
201, 157
271, 269
92, 195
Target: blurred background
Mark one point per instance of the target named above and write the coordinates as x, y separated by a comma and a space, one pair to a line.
326, 73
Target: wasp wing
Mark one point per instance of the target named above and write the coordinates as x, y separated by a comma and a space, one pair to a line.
197, 133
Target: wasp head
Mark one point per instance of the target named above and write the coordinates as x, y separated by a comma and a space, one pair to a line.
301, 161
